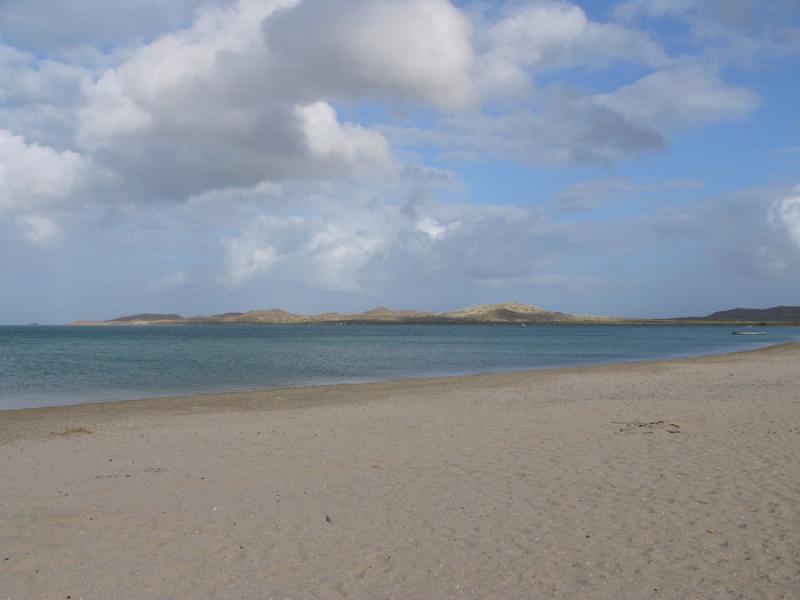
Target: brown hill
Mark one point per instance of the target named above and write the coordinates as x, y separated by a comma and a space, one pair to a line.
488, 313
511, 312
776, 313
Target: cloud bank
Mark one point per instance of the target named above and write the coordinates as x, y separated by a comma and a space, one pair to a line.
324, 147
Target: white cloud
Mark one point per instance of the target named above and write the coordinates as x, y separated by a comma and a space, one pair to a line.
417, 50
29, 80
331, 141
32, 175
110, 112
248, 91
125, 99
365, 246
39, 97
681, 97
246, 259
215, 106
339, 254
784, 216
539, 34
267, 121
434, 229
544, 36
548, 35
326, 252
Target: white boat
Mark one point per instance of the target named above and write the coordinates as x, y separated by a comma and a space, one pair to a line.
749, 332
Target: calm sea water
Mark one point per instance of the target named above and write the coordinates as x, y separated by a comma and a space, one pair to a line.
48, 366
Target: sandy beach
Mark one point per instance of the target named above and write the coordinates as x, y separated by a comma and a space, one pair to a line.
671, 479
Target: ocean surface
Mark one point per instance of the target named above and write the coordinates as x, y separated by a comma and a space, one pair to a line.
50, 366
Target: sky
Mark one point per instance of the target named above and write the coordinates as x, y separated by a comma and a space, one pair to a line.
622, 158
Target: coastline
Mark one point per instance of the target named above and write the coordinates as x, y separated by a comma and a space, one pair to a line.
309, 396
358, 381
660, 479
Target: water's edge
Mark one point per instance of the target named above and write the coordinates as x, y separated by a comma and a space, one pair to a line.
411, 380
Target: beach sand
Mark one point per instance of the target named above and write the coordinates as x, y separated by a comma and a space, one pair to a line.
671, 479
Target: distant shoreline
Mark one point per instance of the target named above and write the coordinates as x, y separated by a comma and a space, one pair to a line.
610, 322
509, 313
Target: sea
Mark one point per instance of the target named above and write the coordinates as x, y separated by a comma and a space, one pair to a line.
52, 366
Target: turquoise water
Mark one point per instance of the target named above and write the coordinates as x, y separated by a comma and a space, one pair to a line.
49, 366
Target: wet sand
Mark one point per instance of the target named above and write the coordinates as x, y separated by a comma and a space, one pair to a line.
670, 479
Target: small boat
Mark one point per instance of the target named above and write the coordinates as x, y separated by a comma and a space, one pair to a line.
749, 332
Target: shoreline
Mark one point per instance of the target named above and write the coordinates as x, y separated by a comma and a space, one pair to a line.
663, 479
184, 386
281, 398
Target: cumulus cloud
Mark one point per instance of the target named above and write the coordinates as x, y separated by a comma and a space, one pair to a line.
784, 216
246, 259
230, 102
549, 35
306, 141
434, 229
33, 176
544, 36
327, 251
346, 143
40, 97
171, 123
371, 246
31, 80
414, 49
247, 92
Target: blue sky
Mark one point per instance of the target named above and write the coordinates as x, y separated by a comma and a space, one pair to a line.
635, 157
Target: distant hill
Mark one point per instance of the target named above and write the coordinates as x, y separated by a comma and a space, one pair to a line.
513, 312
488, 313
777, 313
506, 313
